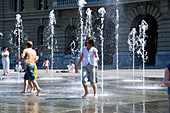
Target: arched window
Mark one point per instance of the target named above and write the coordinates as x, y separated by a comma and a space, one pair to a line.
40, 35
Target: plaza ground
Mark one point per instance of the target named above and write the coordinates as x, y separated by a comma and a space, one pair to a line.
62, 93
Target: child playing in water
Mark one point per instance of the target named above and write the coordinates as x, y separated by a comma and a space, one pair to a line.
18, 67
89, 57
30, 56
46, 64
71, 67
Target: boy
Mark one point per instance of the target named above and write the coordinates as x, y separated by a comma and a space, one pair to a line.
30, 57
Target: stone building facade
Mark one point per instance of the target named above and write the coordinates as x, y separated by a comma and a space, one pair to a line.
35, 15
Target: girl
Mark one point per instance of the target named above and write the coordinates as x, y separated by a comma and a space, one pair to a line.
46, 64
70, 67
89, 56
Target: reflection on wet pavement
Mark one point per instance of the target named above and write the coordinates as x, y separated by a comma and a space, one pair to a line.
62, 94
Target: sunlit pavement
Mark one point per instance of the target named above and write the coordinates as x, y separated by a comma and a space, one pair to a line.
122, 93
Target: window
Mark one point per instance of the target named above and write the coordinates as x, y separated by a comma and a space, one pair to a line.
17, 5
40, 35
43, 4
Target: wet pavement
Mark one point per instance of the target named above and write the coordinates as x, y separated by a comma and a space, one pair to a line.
62, 93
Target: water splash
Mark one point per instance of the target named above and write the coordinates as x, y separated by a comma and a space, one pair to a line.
74, 48
117, 36
141, 42
88, 27
81, 4
51, 43
18, 31
102, 12
137, 43
17, 37
52, 21
132, 42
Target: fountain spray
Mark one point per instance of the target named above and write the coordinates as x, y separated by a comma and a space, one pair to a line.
52, 21
141, 45
17, 32
117, 36
102, 12
81, 4
132, 43
88, 27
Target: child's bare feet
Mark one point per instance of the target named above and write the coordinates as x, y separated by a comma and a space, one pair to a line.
84, 96
23, 92
38, 92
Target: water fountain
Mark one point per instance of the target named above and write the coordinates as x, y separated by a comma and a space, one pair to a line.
88, 27
49, 40
117, 36
141, 42
18, 33
17, 37
132, 43
81, 4
52, 21
102, 13
137, 43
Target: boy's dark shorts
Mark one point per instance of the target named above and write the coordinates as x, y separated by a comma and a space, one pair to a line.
29, 73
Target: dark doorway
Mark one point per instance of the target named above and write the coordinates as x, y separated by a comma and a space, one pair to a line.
151, 39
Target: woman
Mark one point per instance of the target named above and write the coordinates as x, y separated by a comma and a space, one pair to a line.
89, 58
5, 60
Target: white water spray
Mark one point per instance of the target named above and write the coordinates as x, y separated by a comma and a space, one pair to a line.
52, 21
18, 30
117, 36
132, 43
141, 45
88, 27
102, 12
81, 4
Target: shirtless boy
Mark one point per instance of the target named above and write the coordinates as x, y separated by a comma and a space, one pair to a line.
30, 57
